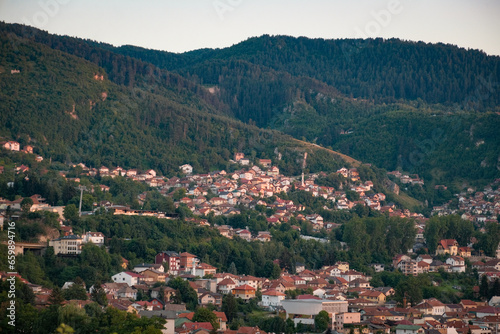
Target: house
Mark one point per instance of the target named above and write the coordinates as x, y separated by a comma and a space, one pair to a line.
304, 310
272, 299
447, 246
226, 286
424, 257
128, 277
388, 291
264, 236
167, 292
11, 145
221, 317
244, 234
409, 329
169, 316
186, 169
432, 306
238, 156
351, 275
254, 282
139, 268
398, 258
244, 292
345, 318
153, 275
28, 149
67, 245
170, 260
127, 292
465, 251
244, 161
96, 238
204, 269
376, 296
315, 219
188, 261
210, 298
456, 263
273, 171
265, 162
104, 170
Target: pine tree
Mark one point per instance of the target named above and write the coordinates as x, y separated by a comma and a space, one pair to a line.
99, 295
484, 288
232, 269
56, 296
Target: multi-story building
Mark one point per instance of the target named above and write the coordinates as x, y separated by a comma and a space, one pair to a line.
170, 260
67, 245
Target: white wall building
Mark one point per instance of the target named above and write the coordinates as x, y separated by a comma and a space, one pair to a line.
272, 299
67, 245
128, 277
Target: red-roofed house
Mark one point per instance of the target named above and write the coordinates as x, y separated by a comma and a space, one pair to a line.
226, 286
447, 246
244, 292
187, 261
272, 298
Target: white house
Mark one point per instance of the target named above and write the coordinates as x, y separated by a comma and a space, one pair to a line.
11, 145
186, 169
127, 292
128, 277
226, 286
94, 237
272, 298
457, 264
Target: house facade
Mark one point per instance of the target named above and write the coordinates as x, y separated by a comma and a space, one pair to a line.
67, 245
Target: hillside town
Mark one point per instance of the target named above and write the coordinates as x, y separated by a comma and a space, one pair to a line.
352, 303
345, 294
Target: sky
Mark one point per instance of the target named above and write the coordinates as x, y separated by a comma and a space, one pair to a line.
184, 25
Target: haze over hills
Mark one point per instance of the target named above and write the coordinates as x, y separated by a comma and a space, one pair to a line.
427, 108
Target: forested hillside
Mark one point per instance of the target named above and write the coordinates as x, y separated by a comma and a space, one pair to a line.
430, 109
70, 111
416, 106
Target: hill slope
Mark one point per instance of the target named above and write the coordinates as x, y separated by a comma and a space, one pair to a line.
431, 109
69, 109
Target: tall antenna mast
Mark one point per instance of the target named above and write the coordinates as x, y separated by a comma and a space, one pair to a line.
303, 167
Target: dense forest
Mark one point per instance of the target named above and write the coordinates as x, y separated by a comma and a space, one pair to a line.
420, 107
57, 105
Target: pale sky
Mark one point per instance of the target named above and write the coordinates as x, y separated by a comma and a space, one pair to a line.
183, 25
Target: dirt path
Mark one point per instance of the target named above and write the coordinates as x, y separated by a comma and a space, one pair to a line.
346, 158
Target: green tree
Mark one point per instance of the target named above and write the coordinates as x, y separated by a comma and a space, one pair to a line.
203, 314
99, 295
75, 291
321, 321
229, 307
495, 289
409, 288
232, 269
484, 288
71, 212
64, 329
26, 205
56, 296
185, 292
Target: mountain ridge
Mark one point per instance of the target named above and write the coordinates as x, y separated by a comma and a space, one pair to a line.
263, 91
